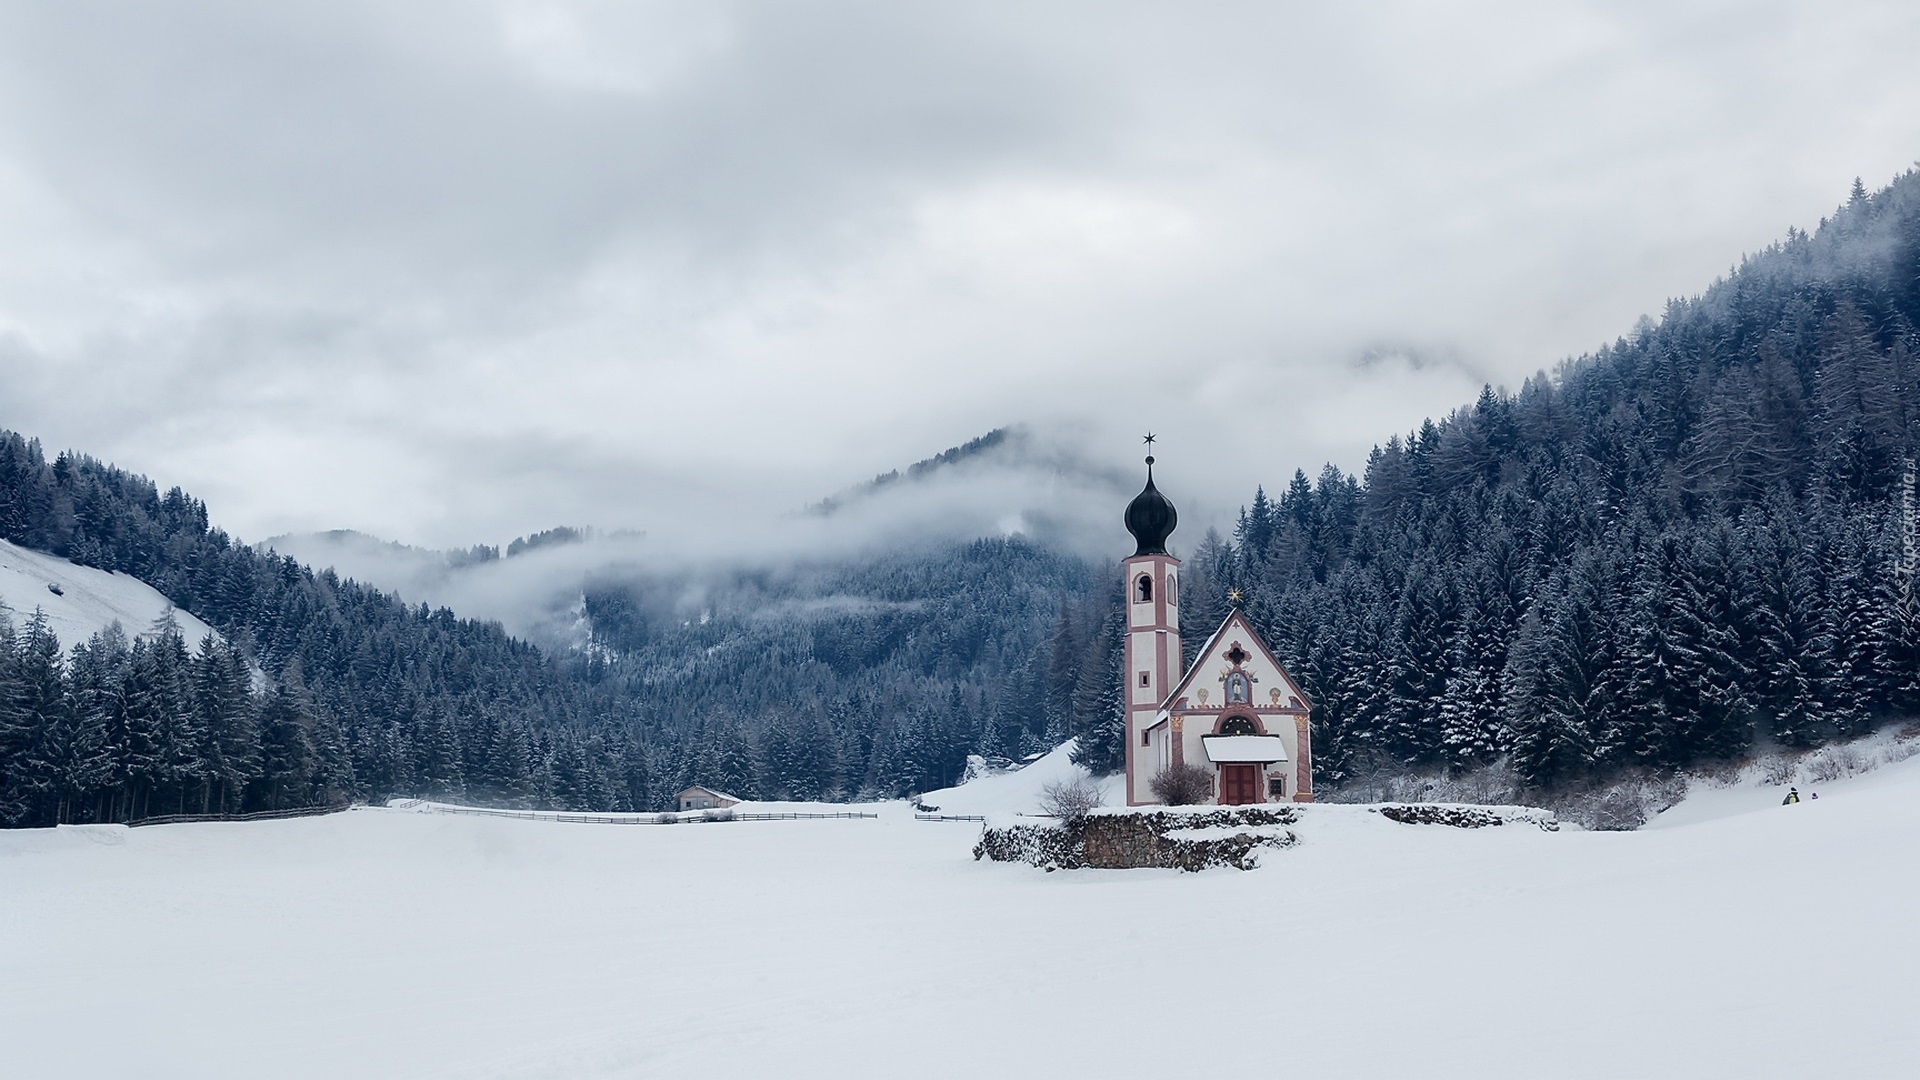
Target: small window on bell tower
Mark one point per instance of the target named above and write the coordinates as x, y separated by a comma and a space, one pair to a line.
1171, 598
1143, 589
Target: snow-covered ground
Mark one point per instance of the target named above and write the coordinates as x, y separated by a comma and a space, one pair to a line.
88, 601
1858, 763
1018, 792
1760, 940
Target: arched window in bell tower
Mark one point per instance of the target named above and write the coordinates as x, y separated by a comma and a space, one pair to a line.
1171, 597
1142, 589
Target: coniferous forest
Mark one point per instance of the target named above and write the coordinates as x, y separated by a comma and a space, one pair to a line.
1695, 541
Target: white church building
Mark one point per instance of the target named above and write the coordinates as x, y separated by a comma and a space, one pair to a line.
1235, 713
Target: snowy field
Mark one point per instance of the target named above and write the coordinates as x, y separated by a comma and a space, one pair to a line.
1756, 940
88, 600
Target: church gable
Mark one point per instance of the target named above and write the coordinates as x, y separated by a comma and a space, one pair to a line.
1239, 716
1235, 667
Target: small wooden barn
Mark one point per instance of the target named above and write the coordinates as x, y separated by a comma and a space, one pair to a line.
700, 798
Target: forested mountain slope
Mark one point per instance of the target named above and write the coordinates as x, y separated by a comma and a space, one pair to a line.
1687, 543
874, 675
369, 697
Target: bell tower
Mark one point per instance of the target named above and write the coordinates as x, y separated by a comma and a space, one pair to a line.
1152, 661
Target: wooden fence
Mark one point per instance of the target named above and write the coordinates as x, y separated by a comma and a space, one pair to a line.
689, 817
257, 815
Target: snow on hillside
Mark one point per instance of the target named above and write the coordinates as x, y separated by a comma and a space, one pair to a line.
88, 599
1018, 792
1774, 941
1816, 774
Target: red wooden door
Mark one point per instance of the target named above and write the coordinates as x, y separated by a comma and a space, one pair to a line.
1239, 784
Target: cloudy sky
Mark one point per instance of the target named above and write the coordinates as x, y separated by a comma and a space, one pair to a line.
451, 272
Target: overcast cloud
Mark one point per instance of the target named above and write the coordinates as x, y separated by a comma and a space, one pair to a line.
452, 272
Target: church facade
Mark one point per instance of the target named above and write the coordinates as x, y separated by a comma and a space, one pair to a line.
1235, 714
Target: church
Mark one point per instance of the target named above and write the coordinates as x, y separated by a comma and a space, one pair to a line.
1236, 714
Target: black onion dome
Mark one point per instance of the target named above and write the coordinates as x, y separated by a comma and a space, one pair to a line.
1151, 518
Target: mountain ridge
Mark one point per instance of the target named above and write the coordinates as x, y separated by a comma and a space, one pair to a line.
1674, 550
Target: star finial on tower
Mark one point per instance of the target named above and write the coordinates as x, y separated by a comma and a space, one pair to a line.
1236, 597
1149, 441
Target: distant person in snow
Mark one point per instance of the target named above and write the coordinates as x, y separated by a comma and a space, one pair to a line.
1793, 796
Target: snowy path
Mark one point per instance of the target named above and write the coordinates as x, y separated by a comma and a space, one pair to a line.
387, 943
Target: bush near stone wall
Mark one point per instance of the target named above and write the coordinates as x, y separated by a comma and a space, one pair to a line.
1126, 840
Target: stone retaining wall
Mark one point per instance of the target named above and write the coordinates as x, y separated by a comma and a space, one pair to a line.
1466, 817
1125, 840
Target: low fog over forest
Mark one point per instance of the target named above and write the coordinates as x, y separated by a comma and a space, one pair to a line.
1688, 544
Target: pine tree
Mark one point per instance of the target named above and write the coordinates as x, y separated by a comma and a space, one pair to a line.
810, 767
1470, 728
726, 761
16, 728
1791, 646
1856, 691
287, 754
1102, 748
508, 776
1417, 669
163, 672
1712, 614
1063, 677
1660, 670
332, 778
437, 759
101, 748
223, 700
1555, 683
1253, 536
38, 786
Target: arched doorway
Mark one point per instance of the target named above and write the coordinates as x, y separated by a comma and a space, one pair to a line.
1239, 781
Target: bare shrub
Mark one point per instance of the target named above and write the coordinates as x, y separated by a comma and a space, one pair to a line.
1903, 746
1182, 785
1070, 800
1780, 770
1488, 785
1623, 805
1616, 810
1837, 763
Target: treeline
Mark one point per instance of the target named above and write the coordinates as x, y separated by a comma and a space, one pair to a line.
869, 678
424, 703
119, 731
114, 731
874, 677
1687, 544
